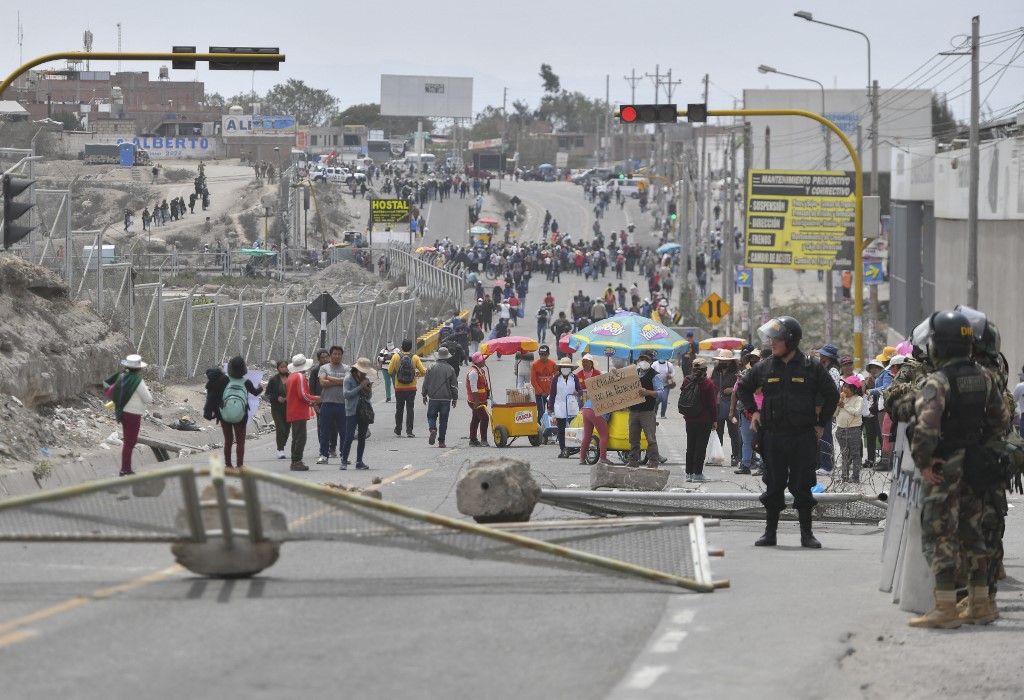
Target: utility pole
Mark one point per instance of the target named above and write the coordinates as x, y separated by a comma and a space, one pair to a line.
657, 82
829, 290
607, 118
972, 194
748, 160
769, 274
632, 79
702, 186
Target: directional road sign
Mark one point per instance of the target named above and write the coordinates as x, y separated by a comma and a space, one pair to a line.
324, 304
744, 277
714, 309
874, 273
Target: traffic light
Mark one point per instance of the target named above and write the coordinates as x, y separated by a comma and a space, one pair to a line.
184, 64
242, 63
697, 113
672, 210
13, 186
648, 114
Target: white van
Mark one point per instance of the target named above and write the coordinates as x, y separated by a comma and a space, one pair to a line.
630, 186
421, 159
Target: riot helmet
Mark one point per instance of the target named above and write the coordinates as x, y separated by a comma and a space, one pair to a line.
952, 335
977, 319
784, 328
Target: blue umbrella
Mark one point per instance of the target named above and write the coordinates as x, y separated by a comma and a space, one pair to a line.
668, 248
624, 336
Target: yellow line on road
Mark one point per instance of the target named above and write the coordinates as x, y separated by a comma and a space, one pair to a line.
45, 613
137, 583
417, 475
15, 637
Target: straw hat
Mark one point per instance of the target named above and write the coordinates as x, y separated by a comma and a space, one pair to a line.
300, 363
725, 355
133, 362
364, 366
565, 362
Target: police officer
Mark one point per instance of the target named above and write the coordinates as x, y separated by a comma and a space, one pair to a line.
958, 407
788, 424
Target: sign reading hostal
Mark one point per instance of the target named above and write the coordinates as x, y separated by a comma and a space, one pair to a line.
618, 389
800, 220
390, 211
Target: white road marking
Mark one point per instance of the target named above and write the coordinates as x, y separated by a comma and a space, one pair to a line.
645, 677
683, 617
669, 642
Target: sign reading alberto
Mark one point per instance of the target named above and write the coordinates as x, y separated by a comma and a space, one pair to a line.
618, 389
390, 211
800, 220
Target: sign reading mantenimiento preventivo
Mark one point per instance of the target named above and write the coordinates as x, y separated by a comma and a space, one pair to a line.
618, 389
800, 219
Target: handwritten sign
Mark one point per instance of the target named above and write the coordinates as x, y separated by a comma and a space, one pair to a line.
618, 389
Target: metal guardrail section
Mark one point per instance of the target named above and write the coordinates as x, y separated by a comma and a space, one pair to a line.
423, 274
832, 507
165, 506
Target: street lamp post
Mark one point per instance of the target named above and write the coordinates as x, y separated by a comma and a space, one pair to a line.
829, 292
872, 95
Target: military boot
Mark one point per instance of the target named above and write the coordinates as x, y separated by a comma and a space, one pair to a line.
943, 616
807, 538
770, 528
980, 609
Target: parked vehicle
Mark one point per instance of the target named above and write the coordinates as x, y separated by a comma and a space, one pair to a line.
110, 154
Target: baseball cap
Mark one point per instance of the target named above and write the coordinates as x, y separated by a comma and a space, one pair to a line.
544, 350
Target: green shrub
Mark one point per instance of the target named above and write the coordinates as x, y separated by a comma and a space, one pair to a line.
178, 174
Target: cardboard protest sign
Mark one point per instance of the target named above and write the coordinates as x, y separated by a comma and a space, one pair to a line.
618, 389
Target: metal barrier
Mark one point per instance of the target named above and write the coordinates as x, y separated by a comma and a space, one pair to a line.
423, 274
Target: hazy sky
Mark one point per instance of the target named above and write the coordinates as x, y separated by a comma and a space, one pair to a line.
344, 46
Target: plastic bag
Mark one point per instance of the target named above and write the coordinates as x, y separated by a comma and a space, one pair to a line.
716, 453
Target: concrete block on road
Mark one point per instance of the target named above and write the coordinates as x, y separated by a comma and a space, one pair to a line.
641, 479
497, 490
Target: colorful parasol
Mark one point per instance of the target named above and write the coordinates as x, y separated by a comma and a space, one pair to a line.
722, 343
487, 222
563, 344
426, 249
509, 345
626, 335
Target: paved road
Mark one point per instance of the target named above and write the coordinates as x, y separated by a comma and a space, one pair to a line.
102, 621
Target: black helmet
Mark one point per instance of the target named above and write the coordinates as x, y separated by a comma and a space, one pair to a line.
952, 335
785, 328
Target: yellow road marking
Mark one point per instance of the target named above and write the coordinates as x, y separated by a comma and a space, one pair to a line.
312, 516
43, 614
417, 475
15, 637
137, 583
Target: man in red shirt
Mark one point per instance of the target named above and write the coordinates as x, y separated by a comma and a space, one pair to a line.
299, 407
542, 371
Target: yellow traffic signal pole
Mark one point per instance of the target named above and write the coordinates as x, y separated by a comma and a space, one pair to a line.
144, 56
858, 252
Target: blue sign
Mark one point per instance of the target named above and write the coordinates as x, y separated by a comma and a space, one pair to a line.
744, 277
874, 273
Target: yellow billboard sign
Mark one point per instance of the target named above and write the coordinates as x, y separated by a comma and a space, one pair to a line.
801, 220
390, 211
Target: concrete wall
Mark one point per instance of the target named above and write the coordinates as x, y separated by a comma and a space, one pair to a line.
1001, 285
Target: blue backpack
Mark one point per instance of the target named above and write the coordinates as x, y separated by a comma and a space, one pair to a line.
234, 402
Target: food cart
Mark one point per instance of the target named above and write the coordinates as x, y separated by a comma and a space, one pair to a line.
517, 417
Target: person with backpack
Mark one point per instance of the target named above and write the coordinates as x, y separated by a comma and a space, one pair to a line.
560, 327
698, 404
229, 393
542, 324
405, 367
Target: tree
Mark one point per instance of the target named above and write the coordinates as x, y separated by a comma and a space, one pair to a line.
570, 111
944, 124
311, 106
369, 116
489, 124
215, 99
68, 119
552, 85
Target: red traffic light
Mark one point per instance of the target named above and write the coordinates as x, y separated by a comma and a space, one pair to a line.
648, 114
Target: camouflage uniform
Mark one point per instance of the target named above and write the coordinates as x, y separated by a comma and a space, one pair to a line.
900, 395
994, 504
952, 512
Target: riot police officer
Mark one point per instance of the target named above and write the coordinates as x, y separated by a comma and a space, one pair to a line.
959, 407
788, 425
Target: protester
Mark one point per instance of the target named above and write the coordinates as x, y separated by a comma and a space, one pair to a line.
542, 371
700, 409
405, 367
592, 421
383, 362
563, 400
130, 394
300, 404
724, 379
357, 388
229, 395
332, 423
276, 395
440, 394
642, 416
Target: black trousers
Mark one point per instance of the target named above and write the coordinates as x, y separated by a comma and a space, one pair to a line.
697, 435
404, 400
790, 459
735, 439
872, 435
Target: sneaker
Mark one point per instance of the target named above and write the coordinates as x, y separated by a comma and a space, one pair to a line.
442, 445
410, 435
321, 459
398, 432
333, 454
698, 477
605, 462
742, 470
757, 472
362, 465
473, 442
484, 443
433, 437
689, 478
127, 473
822, 472
280, 454
344, 465
299, 467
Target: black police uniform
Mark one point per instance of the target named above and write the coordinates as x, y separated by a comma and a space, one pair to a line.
789, 446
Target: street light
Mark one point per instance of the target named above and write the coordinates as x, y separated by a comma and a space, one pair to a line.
828, 133
872, 98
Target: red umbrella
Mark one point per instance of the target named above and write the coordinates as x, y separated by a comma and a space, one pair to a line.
487, 222
722, 343
563, 344
509, 345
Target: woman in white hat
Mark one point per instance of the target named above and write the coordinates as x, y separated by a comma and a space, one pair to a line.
299, 404
592, 421
358, 388
563, 401
725, 375
128, 391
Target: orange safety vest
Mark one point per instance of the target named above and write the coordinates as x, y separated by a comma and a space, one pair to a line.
482, 387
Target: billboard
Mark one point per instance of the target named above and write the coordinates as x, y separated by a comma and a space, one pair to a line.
426, 96
800, 220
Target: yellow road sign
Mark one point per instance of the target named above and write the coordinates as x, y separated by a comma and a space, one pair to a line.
714, 309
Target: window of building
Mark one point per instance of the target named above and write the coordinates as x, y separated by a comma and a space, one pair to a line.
579, 142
